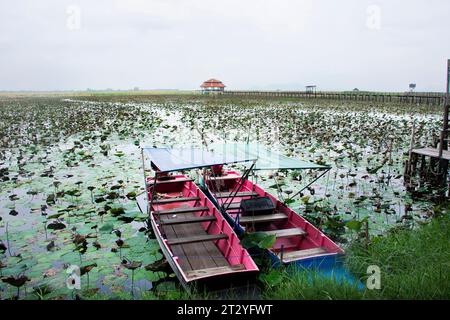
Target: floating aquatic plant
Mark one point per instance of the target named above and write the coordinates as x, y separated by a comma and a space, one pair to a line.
16, 281
79, 167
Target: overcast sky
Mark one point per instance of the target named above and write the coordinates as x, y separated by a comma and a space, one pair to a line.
248, 44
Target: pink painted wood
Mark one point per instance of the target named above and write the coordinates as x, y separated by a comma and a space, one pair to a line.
204, 259
307, 236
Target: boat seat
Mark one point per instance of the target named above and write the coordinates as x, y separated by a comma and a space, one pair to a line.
263, 218
232, 205
230, 177
239, 194
173, 200
301, 254
158, 182
194, 274
168, 222
194, 239
286, 233
181, 210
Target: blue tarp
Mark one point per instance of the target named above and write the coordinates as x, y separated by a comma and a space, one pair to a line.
176, 159
266, 159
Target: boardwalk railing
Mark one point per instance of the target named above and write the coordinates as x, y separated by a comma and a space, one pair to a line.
412, 98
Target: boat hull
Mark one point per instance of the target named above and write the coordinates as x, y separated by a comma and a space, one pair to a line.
196, 240
322, 261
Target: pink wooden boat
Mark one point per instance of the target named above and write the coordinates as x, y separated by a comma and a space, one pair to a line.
196, 240
297, 241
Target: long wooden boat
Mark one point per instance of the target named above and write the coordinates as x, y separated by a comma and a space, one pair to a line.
199, 244
297, 242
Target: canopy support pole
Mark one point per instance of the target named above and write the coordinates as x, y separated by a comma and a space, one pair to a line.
215, 183
146, 190
309, 184
149, 208
240, 184
280, 192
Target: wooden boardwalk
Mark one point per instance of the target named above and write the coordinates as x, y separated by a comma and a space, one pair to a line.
411, 98
432, 152
431, 164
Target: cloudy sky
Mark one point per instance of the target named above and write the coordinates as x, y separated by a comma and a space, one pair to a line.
248, 44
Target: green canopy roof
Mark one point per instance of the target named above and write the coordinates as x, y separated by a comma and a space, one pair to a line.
176, 159
266, 159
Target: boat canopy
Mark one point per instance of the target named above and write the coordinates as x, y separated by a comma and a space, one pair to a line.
176, 159
266, 159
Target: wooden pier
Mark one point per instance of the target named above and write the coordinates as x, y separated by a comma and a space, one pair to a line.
411, 98
430, 164
432, 153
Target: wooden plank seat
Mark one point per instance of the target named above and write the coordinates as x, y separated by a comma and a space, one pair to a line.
230, 177
286, 233
173, 200
300, 254
186, 220
232, 205
194, 239
182, 210
262, 218
151, 182
239, 194
432, 152
193, 256
194, 274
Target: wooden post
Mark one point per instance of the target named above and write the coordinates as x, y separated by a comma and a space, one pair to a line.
146, 188
443, 163
422, 168
154, 195
411, 144
281, 255
367, 234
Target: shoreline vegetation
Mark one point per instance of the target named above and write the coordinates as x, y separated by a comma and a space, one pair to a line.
414, 264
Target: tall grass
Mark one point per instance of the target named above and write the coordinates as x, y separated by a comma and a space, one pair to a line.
415, 264
309, 285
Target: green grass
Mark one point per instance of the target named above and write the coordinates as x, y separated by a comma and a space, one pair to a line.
309, 285
415, 264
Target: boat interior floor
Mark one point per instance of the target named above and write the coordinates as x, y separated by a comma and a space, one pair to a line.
288, 237
192, 244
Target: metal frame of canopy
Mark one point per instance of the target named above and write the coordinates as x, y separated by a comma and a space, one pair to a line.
267, 159
178, 159
270, 160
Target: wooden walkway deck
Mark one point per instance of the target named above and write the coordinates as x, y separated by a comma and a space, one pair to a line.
410, 98
431, 164
433, 153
